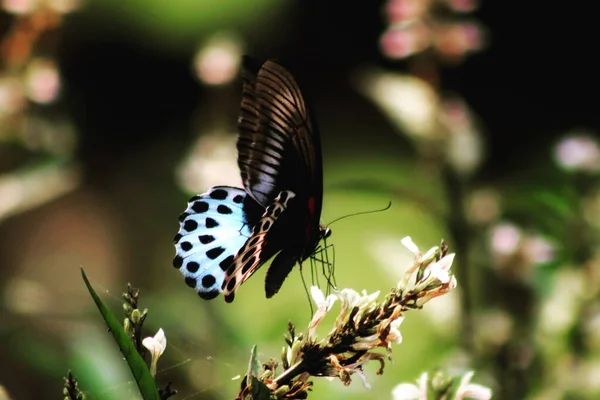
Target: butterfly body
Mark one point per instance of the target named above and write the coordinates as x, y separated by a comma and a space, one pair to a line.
279, 157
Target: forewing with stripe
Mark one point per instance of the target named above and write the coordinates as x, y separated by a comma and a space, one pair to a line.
278, 144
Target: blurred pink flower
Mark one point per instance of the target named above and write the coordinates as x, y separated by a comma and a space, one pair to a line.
516, 253
456, 40
436, 28
218, 61
462, 6
464, 148
578, 152
538, 250
505, 238
19, 7
406, 10
42, 81
400, 42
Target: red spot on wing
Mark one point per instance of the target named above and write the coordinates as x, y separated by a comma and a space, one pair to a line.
311, 205
311, 210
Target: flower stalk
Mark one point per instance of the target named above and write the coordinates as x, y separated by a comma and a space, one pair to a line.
362, 325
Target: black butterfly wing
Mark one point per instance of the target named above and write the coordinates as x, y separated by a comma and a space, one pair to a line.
278, 152
278, 145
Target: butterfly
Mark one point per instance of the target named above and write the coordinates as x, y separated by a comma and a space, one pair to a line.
227, 233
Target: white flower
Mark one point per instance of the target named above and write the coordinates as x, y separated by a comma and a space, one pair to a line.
394, 335
408, 391
408, 102
474, 391
157, 346
348, 299
324, 304
321, 301
367, 300
578, 152
440, 270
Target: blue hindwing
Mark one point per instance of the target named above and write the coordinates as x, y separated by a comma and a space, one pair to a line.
212, 230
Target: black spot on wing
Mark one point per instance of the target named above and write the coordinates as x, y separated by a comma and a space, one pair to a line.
190, 225
191, 282
238, 199
186, 246
200, 207
247, 266
229, 298
177, 238
223, 209
183, 216
247, 255
178, 262
283, 197
218, 194
208, 281
211, 223
226, 263
209, 295
231, 283
192, 267
206, 239
214, 253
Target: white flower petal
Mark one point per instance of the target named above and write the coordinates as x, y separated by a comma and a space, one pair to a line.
430, 253
156, 344
317, 295
446, 262
406, 391
410, 245
472, 391
477, 392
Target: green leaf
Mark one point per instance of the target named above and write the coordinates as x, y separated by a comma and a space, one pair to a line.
259, 390
253, 365
138, 367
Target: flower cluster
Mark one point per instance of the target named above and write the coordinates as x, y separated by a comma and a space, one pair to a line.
363, 325
29, 83
416, 25
28, 76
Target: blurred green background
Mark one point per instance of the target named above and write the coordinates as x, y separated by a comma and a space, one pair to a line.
479, 124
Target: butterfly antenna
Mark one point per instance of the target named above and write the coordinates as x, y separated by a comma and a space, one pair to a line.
361, 213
